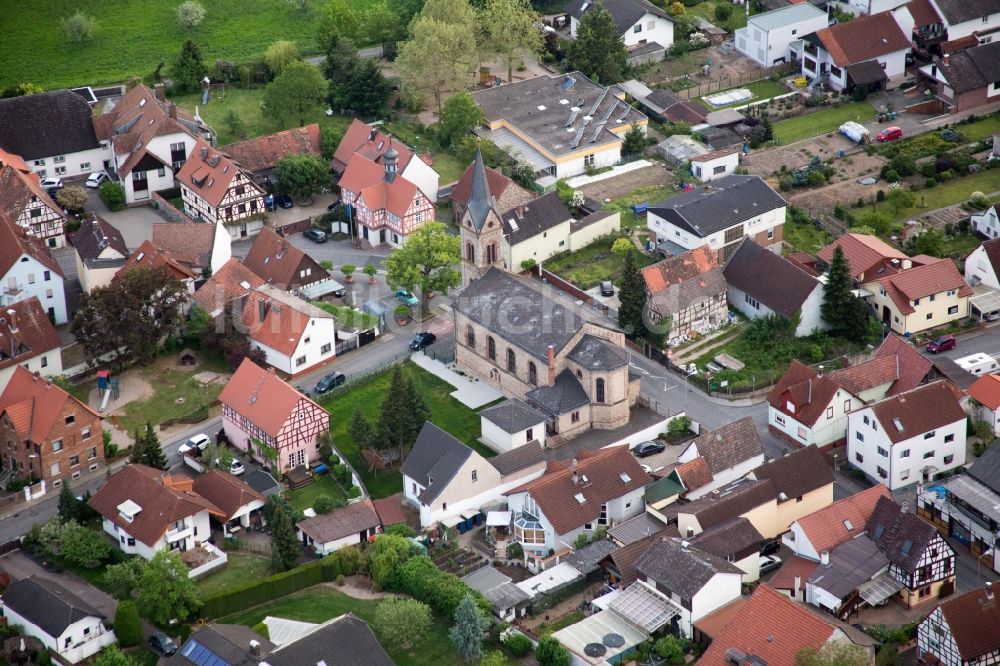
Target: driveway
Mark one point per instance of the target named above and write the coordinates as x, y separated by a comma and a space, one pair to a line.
20, 566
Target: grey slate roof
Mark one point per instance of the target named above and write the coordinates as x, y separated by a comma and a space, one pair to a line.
723, 203
770, 278
852, 564
901, 536
586, 559
565, 395
973, 68
481, 201
434, 460
47, 604
720, 137
594, 353
729, 445
624, 12
728, 538
228, 642
986, 469
796, 473
93, 236
960, 11
682, 570
537, 216
262, 482
48, 124
519, 458
640, 527
513, 416
343, 641
496, 587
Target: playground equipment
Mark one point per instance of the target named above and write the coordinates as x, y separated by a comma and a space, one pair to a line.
110, 387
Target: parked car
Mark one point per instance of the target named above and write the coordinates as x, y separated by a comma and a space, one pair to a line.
197, 443
284, 200
52, 183
944, 343
315, 235
647, 449
235, 467
95, 179
607, 289
336, 202
769, 546
269, 203
421, 340
769, 563
162, 643
889, 134
406, 298
329, 382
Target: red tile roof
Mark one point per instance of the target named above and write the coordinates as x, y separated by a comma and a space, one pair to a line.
695, 473
227, 284
496, 182
974, 621
913, 366
712, 624
923, 13
190, 243
868, 375
225, 491
277, 319
390, 510
918, 411
341, 522
370, 143
16, 161
18, 188
263, 398
986, 391
209, 173
770, 626
713, 154
367, 178
695, 262
864, 253
809, 393
863, 38
920, 281
149, 256
25, 332
14, 241
826, 529
264, 152
35, 405
278, 262
792, 567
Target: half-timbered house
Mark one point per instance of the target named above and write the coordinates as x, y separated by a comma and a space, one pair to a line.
23, 200
385, 206
27, 269
149, 256
687, 291
373, 144
964, 630
215, 189
269, 420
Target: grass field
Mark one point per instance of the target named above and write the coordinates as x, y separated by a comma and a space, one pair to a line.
821, 122
239, 569
980, 129
946, 194
133, 36
446, 412
323, 484
763, 89
170, 387
589, 266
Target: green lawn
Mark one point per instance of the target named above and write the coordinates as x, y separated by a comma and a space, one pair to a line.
552, 627
980, 129
952, 192
763, 89
804, 236
589, 266
323, 484
447, 165
737, 19
322, 603
821, 122
239, 569
133, 36
446, 412
170, 386
652, 194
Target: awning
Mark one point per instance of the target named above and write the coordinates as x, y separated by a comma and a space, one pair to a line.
604, 601
869, 71
498, 519
319, 289
469, 514
879, 589
985, 299
644, 607
451, 521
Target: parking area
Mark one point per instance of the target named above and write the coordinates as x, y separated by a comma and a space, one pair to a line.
664, 460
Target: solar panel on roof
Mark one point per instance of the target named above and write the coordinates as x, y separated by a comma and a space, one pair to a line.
200, 655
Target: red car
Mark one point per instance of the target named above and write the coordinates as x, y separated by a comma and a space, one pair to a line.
944, 343
889, 134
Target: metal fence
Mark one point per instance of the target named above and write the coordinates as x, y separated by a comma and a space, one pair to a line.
720, 84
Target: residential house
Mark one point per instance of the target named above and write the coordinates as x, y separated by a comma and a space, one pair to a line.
215, 190
869, 257
919, 558
29, 340
646, 29
720, 214
511, 424
153, 258
49, 434
868, 51
236, 644
146, 510
908, 437
295, 335
736, 541
696, 582
24, 202
270, 420
688, 291
928, 26
979, 19
259, 156
281, 264
28, 269
347, 636
760, 283
53, 132
232, 282
443, 478
149, 140
715, 164
499, 187
729, 452
776, 36
770, 628
241, 506
967, 79
832, 525
202, 247
372, 144
532, 119
963, 630
852, 575
349, 525
100, 252
982, 266
985, 394
595, 490
66, 625
568, 363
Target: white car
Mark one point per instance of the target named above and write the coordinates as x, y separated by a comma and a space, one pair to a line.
769, 563
95, 179
52, 183
198, 443
236, 468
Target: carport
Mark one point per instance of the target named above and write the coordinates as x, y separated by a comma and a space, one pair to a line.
879, 589
985, 300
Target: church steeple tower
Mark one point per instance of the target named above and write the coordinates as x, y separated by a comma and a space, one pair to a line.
481, 227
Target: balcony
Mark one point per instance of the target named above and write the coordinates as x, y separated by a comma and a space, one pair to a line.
175, 534
14, 290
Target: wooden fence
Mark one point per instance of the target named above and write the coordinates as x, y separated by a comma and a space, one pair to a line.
720, 84
294, 227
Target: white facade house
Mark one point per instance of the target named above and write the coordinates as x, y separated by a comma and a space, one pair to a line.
730, 452
35, 274
768, 37
985, 394
971, 17
65, 624
28, 339
909, 437
180, 536
511, 424
349, 525
294, 334
717, 163
653, 25
986, 223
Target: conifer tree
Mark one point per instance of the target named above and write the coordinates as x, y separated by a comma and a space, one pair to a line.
152, 452
632, 299
598, 50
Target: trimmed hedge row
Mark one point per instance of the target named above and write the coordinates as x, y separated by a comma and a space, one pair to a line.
254, 593
443, 592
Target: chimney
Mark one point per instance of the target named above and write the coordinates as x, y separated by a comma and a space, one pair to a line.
934, 70
945, 60
907, 264
824, 558
254, 648
12, 317
172, 111
574, 478
159, 92
203, 153
371, 134
551, 353
989, 591
795, 587
262, 307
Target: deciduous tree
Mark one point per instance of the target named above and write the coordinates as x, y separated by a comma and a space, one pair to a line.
402, 622
427, 260
112, 656
284, 544
302, 175
295, 95
279, 55
598, 50
123, 579
339, 19
459, 117
84, 546
73, 198
900, 198
166, 592
844, 312
510, 29
469, 630
385, 557
190, 14
79, 27
833, 654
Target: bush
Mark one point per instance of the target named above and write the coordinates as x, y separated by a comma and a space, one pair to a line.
261, 629
945, 176
401, 530
354, 492
678, 427
817, 178
785, 183
128, 626
323, 504
79, 27
443, 592
723, 12
929, 183
551, 653
880, 195
190, 14
113, 195
515, 551
928, 170
518, 645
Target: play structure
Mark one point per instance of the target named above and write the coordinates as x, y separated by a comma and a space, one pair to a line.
108, 386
